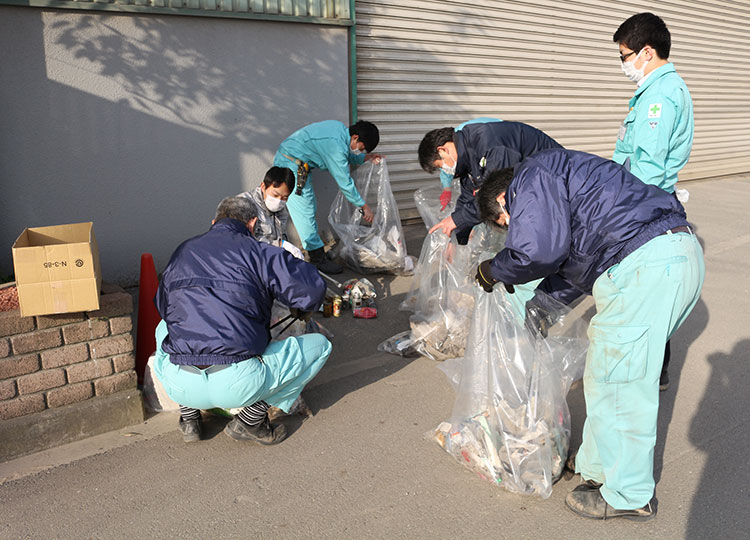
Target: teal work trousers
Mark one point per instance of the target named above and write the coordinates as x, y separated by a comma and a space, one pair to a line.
278, 379
640, 302
302, 208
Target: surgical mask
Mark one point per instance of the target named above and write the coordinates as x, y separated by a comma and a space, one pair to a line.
507, 217
628, 68
448, 170
356, 151
273, 204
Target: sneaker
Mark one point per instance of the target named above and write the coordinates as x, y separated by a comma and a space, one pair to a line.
586, 500
664, 381
191, 429
264, 433
323, 263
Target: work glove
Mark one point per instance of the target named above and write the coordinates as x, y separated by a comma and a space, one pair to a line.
303, 316
485, 279
539, 318
445, 198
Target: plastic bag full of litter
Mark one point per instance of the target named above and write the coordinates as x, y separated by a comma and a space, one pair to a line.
510, 421
370, 247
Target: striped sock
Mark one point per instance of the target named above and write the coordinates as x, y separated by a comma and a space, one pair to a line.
254, 414
188, 413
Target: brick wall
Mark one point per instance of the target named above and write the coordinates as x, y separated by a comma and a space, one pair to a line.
54, 360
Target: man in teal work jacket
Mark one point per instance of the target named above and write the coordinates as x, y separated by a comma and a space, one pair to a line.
656, 137
446, 179
655, 140
328, 146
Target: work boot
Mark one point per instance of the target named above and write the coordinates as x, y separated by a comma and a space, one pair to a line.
191, 429
586, 500
263, 433
322, 263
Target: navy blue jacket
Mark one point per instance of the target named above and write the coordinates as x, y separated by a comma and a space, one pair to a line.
483, 148
217, 291
572, 216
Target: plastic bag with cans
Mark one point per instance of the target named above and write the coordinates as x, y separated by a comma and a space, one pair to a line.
442, 291
510, 422
370, 247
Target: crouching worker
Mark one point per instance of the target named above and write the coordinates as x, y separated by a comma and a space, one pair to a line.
213, 347
586, 225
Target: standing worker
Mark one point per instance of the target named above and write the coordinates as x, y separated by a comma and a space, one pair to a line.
328, 146
446, 179
656, 137
588, 226
469, 154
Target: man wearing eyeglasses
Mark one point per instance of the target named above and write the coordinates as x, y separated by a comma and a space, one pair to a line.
656, 137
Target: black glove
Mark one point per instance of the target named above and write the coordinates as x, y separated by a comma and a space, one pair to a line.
301, 315
539, 319
485, 279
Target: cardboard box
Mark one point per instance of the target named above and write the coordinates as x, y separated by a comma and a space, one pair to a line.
57, 269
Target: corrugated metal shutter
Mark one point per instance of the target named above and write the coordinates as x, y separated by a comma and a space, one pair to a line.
428, 64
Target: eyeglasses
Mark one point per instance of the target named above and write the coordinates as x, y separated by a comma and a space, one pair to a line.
624, 57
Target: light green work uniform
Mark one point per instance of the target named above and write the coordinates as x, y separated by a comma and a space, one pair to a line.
656, 137
277, 378
325, 146
640, 302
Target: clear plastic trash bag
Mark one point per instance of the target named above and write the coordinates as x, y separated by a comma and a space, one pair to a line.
442, 291
510, 422
428, 203
370, 247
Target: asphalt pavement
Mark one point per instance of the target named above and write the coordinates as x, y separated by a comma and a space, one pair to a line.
363, 468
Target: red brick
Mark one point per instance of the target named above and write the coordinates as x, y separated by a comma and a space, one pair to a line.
115, 383
18, 365
71, 393
64, 356
112, 345
123, 362
41, 380
113, 305
4, 347
36, 341
85, 331
49, 321
21, 406
12, 323
95, 369
7, 389
121, 325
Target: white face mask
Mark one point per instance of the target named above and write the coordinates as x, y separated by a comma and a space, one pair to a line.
356, 151
631, 73
507, 217
273, 204
448, 170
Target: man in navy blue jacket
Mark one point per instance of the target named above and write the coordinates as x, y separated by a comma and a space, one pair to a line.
213, 344
588, 226
469, 154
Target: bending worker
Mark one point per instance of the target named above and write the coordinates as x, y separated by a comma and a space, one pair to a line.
328, 146
656, 137
469, 154
213, 346
586, 225
446, 179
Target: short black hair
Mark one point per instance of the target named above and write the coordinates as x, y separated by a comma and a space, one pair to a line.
497, 182
428, 153
367, 132
279, 175
645, 29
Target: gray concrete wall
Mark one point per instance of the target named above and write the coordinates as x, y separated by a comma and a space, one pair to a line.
142, 124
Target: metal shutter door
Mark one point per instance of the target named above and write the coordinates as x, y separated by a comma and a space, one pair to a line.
423, 65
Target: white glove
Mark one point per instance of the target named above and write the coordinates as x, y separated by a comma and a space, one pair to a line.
683, 195
291, 248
